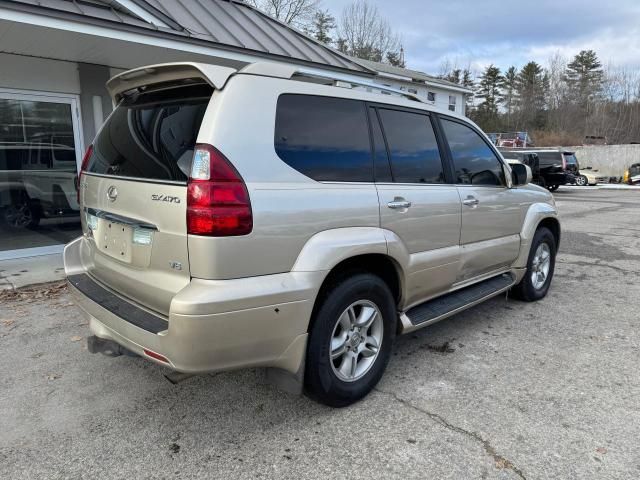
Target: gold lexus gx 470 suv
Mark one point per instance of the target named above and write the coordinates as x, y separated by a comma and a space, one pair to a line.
293, 220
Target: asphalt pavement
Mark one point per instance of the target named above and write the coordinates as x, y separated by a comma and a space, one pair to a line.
547, 390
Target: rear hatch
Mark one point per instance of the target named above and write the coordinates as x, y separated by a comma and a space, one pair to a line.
134, 188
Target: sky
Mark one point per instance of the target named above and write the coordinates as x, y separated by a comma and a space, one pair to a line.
478, 33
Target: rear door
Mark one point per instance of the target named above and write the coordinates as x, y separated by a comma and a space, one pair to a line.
417, 203
134, 188
491, 214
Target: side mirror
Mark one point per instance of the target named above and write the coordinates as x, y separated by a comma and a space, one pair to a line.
520, 174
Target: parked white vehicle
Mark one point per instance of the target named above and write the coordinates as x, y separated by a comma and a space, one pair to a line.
37, 180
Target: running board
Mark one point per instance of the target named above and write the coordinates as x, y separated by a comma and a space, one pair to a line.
446, 305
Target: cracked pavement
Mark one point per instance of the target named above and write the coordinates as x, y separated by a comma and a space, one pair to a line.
545, 390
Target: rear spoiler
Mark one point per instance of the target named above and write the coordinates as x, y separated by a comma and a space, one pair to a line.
214, 75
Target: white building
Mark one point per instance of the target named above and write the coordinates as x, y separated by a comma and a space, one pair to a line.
56, 56
444, 94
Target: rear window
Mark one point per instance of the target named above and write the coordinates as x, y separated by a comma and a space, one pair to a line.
152, 135
550, 157
324, 138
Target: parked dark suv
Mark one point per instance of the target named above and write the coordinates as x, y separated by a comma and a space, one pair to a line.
557, 166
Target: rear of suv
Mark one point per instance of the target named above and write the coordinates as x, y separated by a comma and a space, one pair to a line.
288, 219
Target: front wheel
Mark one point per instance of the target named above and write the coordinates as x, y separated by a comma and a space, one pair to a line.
552, 188
540, 267
350, 340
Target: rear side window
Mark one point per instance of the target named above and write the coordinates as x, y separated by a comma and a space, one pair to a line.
152, 135
324, 138
413, 147
474, 162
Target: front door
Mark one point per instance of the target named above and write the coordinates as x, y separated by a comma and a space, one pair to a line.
417, 204
491, 212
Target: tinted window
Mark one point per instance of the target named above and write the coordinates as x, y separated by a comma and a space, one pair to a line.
324, 138
381, 159
415, 157
474, 162
550, 158
152, 135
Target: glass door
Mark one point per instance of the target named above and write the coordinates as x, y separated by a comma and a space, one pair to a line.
40, 151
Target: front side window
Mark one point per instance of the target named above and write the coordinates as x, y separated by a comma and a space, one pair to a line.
415, 157
324, 138
474, 162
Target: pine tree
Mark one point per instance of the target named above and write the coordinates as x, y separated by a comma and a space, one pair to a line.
467, 82
322, 25
584, 78
489, 91
532, 86
396, 58
509, 94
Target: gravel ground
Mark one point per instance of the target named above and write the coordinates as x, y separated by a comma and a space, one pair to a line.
504, 390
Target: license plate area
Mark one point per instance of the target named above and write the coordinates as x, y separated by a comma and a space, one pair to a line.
115, 240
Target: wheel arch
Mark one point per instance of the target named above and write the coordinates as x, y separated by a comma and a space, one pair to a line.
380, 265
538, 214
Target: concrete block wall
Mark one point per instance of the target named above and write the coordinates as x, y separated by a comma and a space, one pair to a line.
611, 160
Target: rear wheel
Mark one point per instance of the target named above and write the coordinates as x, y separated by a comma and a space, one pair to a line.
540, 267
582, 181
350, 340
21, 214
552, 188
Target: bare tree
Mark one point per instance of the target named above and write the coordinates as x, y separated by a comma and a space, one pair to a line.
298, 13
363, 33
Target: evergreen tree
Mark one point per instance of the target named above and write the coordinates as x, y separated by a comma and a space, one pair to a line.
509, 94
488, 90
532, 86
396, 58
584, 78
467, 82
322, 24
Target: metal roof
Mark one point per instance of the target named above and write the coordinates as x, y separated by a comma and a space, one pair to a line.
228, 24
414, 75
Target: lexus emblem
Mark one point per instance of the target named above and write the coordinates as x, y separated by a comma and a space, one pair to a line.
112, 193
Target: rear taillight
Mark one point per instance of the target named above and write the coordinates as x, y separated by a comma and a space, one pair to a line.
564, 163
83, 167
218, 202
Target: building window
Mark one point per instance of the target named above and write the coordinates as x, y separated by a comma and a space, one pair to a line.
431, 96
39, 148
452, 103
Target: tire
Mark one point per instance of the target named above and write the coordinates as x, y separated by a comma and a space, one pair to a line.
528, 290
21, 215
332, 381
552, 188
582, 181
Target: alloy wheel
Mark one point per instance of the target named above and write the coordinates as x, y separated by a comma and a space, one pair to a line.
356, 340
540, 266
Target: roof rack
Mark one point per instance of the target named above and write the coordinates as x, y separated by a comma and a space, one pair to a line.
282, 70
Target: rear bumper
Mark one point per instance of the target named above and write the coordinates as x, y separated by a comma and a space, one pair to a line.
213, 325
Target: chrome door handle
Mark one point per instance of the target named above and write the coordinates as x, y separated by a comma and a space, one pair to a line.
471, 201
399, 203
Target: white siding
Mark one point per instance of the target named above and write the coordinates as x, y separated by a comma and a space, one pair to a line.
441, 93
29, 73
